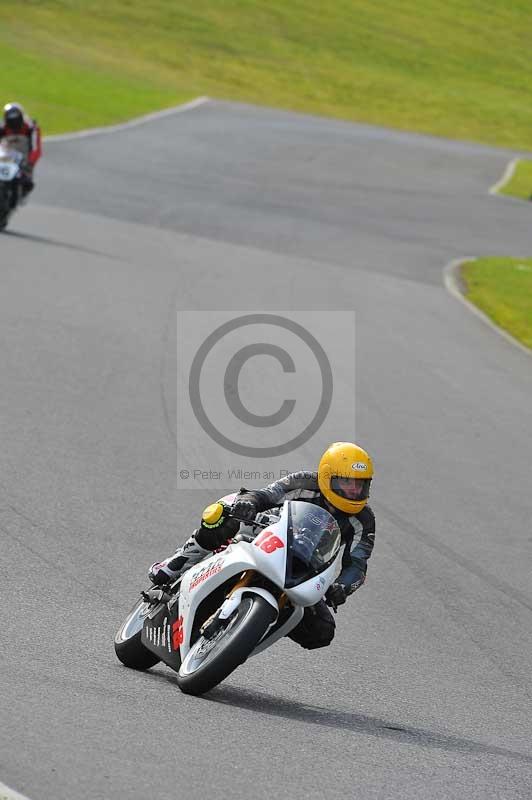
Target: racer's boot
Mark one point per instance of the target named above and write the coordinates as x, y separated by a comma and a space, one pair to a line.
215, 529
186, 556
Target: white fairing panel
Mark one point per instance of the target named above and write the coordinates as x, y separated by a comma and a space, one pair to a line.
311, 592
200, 581
267, 555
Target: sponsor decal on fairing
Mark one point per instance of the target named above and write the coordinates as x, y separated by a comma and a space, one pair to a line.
206, 572
178, 633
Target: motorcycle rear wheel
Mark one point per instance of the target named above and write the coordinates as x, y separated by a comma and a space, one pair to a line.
210, 661
128, 645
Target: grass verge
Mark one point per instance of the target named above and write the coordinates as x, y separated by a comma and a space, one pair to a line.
502, 288
462, 70
520, 184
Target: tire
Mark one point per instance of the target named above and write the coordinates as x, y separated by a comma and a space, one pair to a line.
202, 668
4, 208
128, 646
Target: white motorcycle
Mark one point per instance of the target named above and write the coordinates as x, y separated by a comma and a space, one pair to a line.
10, 182
237, 602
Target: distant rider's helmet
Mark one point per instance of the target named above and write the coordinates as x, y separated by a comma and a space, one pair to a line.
344, 476
14, 116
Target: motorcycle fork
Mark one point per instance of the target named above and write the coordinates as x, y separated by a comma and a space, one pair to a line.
247, 578
212, 625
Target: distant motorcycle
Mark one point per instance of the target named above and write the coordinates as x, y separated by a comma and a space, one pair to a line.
237, 602
10, 183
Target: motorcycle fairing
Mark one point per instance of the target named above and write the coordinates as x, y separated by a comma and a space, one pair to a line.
267, 554
311, 592
169, 629
199, 582
162, 633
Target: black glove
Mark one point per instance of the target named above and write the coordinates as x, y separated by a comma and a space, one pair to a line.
212, 538
244, 509
336, 595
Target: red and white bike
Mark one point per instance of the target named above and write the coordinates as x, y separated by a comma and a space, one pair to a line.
237, 602
10, 183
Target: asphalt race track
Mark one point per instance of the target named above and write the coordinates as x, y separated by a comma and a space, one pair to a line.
426, 691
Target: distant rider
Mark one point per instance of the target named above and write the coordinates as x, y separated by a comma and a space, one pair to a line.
20, 132
341, 486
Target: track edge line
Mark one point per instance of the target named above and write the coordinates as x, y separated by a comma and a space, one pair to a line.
132, 123
506, 176
10, 794
453, 284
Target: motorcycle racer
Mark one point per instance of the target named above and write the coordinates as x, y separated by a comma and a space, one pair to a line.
340, 486
22, 133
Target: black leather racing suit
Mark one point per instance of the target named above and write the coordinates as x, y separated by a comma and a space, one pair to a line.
358, 534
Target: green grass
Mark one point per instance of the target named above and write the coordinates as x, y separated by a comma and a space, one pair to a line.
459, 68
520, 184
69, 99
502, 288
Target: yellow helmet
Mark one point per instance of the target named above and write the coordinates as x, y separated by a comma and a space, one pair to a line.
344, 476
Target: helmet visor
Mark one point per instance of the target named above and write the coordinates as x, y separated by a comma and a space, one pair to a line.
351, 488
14, 119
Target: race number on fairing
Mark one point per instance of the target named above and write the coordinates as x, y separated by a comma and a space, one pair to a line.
8, 171
268, 542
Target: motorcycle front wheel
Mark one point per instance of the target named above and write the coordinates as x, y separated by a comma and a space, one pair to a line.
128, 645
4, 217
210, 661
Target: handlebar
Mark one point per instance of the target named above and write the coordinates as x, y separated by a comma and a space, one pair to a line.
244, 537
251, 522
155, 594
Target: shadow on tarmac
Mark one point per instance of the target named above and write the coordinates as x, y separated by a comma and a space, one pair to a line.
30, 237
261, 703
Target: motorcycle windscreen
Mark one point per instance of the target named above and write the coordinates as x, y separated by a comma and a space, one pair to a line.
313, 541
8, 154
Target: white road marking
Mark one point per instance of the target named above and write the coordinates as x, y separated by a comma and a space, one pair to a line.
9, 794
133, 123
507, 176
452, 284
